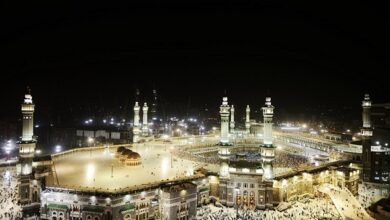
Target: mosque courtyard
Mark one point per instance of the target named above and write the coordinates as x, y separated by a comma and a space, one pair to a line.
100, 169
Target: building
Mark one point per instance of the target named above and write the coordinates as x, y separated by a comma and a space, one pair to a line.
178, 201
243, 182
291, 186
376, 166
139, 181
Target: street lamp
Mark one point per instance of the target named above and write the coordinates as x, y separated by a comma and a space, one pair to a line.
90, 140
172, 147
58, 148
112, 170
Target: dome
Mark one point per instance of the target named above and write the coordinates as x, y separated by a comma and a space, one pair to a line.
134, 156
121, 149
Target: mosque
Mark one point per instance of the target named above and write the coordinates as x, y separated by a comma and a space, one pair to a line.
143, 180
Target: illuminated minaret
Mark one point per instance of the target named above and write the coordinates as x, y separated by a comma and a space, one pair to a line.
27, 143
224, 111
232, 123
224, 151
366, 133
268, 150
136, 124
247, 119
145, 128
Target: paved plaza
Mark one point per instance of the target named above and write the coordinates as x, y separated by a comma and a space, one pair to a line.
100, 168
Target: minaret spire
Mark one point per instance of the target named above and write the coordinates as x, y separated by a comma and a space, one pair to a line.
232, 123
247, 120
268, 150
27, 144
145, 128
136, 124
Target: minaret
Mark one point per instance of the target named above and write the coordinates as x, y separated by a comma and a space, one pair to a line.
145, 128
224, 111
27, 145
247, 120
232, 123
224, 151
366, 133
27, 142
268, 150
136, 124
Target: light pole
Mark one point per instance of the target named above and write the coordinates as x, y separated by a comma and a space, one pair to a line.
112, 170
90, 140
171, 156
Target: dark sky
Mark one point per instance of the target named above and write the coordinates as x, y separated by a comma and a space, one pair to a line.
301, 53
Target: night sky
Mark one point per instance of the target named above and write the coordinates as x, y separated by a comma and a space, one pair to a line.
302, 54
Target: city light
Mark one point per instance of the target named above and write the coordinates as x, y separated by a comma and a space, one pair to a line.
58, 148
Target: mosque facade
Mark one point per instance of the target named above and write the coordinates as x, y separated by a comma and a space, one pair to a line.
241, 182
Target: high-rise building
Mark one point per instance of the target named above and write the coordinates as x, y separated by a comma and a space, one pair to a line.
154, 107
376, 166
366, 132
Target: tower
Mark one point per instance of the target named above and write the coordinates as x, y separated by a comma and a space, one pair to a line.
28, 186
27, 143
232, 123
153, 109
224, 112
136, 124
247, 120
268, 150
366, 133
145, 128
224, 151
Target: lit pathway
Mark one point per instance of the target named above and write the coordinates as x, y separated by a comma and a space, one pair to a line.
345, 202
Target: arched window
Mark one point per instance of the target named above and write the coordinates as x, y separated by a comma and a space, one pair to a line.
96, 218
89, 217
127, 217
